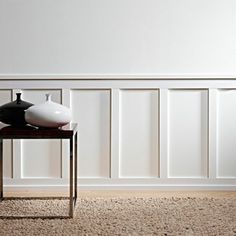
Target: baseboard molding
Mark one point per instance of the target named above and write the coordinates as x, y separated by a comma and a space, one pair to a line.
64, 188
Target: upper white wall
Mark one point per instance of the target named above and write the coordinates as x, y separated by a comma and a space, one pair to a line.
143, 37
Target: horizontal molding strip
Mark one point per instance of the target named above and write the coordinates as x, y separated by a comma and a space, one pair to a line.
115, 76
121, 84
63, 188
121, 181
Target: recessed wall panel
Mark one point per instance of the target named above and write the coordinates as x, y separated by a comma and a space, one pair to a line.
5, 97
41, 158
91, 109
139, 133
226, 159
188, 133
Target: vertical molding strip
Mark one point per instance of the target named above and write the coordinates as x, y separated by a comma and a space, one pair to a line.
163, 133
17, 159
212, 148
115, 134
66, 101
17, 171
158, 133
12, 153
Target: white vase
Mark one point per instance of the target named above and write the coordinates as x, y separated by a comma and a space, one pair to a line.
48, 114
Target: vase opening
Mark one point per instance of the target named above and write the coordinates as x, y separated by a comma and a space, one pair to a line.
18, 98
48, 97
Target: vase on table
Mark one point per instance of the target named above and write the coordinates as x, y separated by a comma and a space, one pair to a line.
48, 114
13, 113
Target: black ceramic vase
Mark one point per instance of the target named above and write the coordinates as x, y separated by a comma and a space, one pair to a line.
13, 113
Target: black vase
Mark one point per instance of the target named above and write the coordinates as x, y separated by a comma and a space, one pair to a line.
13, 113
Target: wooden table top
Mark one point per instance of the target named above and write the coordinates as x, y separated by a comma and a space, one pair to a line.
31, 132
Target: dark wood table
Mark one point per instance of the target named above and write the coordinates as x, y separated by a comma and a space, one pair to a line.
29, 132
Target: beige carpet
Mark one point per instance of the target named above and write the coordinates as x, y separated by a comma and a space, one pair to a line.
123, 216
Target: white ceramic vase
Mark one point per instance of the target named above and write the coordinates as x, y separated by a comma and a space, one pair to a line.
48, 114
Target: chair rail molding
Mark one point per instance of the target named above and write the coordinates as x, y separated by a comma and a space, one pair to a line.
188, 76
135, 132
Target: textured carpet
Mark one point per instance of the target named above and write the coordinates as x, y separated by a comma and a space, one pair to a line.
123, 216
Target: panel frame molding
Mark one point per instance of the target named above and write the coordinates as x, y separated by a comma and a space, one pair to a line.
217, 175
157, 90
206, 170
110, 127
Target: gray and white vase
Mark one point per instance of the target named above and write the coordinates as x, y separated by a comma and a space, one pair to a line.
48, 114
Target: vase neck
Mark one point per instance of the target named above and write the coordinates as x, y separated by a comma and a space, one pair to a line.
18, 98
48, 97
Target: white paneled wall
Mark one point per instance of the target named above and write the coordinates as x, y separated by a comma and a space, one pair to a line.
139, 133
226, 159
5, 96
91, 109
188, 133
132, 134
41, 159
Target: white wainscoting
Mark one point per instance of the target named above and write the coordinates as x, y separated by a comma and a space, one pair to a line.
226, 164
91, 109
188, 133
6, 96
132, 134
139, 155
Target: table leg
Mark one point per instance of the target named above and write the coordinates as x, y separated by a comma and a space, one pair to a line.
76, 163
1, 169
71, 204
